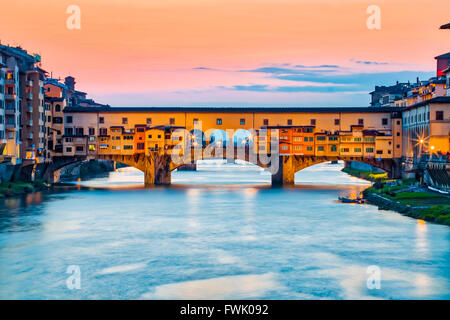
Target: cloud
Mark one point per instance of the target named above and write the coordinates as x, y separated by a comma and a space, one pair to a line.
288, 89
369, 62
327, 66
202, 68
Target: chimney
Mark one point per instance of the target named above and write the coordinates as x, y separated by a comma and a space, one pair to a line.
70, 83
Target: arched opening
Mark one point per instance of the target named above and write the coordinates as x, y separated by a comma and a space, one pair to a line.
198, 137
242, 138
219, 137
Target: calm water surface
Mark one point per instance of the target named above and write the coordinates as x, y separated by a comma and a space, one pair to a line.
221, 232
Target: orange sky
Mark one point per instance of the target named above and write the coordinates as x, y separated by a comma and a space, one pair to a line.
144, 52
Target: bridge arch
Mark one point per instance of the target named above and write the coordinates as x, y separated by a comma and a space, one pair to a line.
218, 136
242, 137
198, 137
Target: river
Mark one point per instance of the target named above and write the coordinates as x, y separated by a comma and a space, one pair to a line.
219, 233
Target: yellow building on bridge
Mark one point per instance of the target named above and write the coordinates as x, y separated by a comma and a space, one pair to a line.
307, 135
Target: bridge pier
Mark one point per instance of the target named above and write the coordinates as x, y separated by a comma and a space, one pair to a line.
285, 173
157, 170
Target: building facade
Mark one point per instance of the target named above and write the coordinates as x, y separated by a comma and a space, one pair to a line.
22, 109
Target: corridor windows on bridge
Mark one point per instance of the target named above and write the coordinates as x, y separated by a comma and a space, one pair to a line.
242, 122
124, 120
195, 122
337, 122
289, 122
313, 122
360, 122
79, 131
172, 121
439, 115
384, 122
101, 120
149, 121
266, 122
219, 121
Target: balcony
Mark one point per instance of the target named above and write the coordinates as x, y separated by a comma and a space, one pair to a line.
10, 96
10, 111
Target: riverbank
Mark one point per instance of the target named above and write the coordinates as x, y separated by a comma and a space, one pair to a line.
406, 197
17, 188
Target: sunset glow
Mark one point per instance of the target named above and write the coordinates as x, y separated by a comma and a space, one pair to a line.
248, 52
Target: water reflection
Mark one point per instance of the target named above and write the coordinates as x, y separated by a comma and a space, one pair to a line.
217, 234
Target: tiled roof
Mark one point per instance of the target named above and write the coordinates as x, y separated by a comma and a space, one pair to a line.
237, 109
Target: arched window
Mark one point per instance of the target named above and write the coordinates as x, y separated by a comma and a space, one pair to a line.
57, 108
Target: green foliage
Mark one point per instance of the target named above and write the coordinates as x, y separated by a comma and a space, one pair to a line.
15, 188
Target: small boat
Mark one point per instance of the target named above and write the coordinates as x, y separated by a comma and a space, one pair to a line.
438, 190
348, 200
